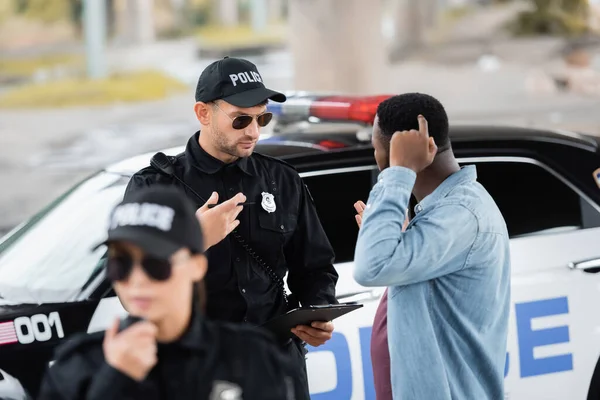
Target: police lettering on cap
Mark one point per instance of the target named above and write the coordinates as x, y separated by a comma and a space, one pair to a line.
159, 219
135, 214
236, 81
245, 77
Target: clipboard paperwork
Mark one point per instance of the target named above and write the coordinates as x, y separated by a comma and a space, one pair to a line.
282, 325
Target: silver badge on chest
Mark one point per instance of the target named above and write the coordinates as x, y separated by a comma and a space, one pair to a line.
268, 202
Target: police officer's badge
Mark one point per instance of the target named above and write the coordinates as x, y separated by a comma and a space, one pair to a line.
268, 202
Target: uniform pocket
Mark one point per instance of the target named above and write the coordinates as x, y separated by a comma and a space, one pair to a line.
273, 234
277, 222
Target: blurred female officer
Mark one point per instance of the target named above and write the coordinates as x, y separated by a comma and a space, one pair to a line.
165, 349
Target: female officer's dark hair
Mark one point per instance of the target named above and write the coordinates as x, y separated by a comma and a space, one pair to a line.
199, 296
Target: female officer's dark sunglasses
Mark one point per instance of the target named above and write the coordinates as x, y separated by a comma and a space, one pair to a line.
119, 267
242, 121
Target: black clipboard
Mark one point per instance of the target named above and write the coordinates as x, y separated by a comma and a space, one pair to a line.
282, 325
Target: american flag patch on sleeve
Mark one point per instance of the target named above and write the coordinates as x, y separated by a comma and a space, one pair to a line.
8, 334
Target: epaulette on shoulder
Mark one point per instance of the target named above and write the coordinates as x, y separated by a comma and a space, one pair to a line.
270, 158
78, 343
148, 170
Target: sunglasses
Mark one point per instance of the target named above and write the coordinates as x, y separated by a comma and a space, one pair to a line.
119, 267
242, 121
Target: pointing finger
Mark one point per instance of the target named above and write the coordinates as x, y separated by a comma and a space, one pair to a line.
232, 203
213, 199
240, 197
235, 212
423, 127
359, 206
232, 226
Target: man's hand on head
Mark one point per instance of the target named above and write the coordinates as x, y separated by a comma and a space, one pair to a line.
413, 149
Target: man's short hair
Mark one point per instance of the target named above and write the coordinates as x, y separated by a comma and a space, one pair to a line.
400, 113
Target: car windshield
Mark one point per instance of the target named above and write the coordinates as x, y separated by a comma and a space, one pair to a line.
49, 258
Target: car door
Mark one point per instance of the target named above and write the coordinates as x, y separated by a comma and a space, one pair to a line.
341, 369
554, 332
46, 264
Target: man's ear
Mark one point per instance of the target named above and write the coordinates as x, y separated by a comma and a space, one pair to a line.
203, 112
199, 267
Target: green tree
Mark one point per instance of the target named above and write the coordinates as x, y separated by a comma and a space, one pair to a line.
46, 10
7, 10
553, 17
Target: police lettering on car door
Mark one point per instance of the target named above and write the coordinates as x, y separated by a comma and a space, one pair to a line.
347, 351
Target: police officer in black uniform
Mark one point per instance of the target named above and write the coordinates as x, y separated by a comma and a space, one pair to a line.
277, 229
166, 349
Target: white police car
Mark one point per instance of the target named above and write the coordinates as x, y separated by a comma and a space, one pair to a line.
546, 183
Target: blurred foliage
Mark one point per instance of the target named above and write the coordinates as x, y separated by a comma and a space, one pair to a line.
194, 13
198, 14
240, 36
456, 13
7, 9
45, 10
26, 67
553, 17
139, 86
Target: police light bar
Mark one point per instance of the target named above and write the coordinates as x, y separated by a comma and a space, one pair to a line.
361, 109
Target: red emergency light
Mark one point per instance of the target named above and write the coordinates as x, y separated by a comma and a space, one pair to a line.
347, 108
332, 144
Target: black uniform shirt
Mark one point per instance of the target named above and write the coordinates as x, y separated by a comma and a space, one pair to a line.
290, 238
208, 359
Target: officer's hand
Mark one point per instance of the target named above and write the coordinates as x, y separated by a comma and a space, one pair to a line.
413, 149
132, 351
406, 221
220, 221
316, 335
359, 206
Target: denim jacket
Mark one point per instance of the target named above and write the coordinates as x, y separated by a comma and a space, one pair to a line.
449, 285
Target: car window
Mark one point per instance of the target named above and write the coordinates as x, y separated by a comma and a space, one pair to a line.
50, 258
533, 200
335, 194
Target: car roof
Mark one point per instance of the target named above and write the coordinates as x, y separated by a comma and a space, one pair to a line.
458, 133
478, 133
